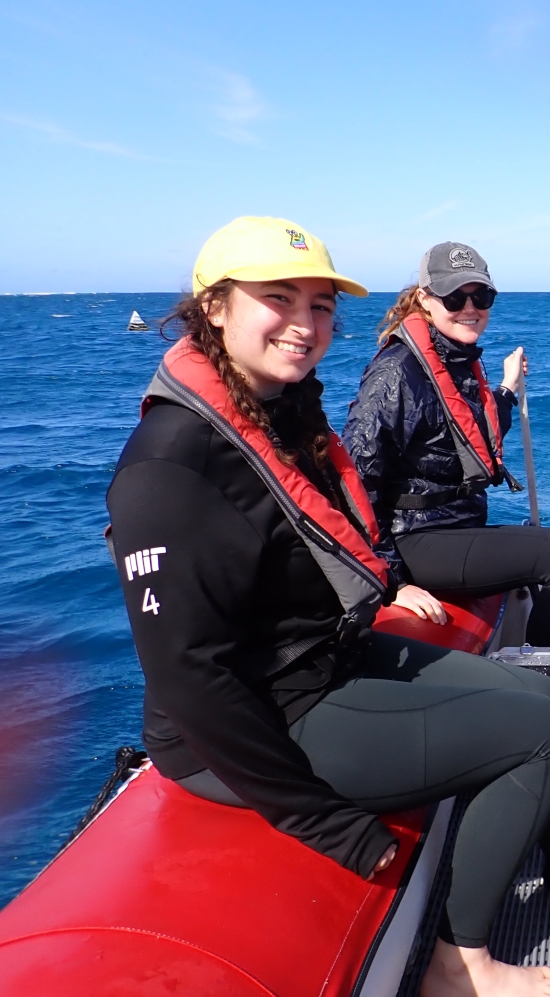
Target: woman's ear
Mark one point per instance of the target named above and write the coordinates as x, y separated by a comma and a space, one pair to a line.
214, 311
423, 299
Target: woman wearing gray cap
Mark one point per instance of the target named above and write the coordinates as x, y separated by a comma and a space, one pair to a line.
426, 431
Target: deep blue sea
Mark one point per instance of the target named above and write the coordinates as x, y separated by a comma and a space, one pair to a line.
70, 684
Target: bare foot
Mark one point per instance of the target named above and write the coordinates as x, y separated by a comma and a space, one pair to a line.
459, 972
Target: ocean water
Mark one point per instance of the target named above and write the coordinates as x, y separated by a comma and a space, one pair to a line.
70, 684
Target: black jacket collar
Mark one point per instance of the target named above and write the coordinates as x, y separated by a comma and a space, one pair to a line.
450, 351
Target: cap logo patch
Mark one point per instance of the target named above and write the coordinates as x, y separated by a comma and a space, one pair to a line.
461, 258
297, 240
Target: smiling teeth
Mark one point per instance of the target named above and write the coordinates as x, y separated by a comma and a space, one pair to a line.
289, 347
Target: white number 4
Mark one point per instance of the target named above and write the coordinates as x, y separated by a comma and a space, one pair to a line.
150, 603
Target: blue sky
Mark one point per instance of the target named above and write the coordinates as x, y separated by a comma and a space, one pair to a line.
129, 131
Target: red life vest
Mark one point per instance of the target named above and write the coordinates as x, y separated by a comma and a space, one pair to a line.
358, 577
479, 464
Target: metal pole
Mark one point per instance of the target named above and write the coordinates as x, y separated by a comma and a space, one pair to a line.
528, 452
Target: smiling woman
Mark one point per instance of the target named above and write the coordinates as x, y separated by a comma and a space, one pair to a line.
426, 434
264, 334
264, 685
292, 324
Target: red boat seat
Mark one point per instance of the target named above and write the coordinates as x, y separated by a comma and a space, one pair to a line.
166, 895
470, 623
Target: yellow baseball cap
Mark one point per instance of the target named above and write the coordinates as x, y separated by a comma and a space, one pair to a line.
263, 249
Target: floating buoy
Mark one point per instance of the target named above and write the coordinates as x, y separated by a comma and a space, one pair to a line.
136, 323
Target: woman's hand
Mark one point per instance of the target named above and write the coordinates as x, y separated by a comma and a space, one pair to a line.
512, 368
423, 603
384, 862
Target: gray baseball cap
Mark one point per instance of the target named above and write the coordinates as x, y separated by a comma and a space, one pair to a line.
449, 265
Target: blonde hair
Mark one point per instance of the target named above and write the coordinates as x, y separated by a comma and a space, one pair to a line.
407, 304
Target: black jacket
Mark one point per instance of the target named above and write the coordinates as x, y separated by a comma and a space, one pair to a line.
235, 587
399, 438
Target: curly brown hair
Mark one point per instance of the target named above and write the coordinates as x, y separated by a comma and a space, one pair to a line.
407, 304
302, 401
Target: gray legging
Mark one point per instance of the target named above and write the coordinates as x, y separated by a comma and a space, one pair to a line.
484, 560
422, 724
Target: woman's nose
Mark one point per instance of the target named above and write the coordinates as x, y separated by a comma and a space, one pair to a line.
302, 321
469, 307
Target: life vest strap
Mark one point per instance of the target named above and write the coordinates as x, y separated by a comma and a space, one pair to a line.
407, 500
357, 575
480, 462
513, 484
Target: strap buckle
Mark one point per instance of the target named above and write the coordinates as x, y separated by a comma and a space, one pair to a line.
465, 490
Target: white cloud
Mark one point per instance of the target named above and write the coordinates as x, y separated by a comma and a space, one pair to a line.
512, 34
526, 226
52, 28
58, 134
238, 107
441, 209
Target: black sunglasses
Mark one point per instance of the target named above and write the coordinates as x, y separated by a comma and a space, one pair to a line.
483, 297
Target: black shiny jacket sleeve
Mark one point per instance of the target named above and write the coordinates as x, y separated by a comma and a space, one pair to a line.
505, 401
191, 619
397, 434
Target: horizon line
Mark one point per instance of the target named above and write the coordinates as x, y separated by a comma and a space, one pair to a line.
46, 294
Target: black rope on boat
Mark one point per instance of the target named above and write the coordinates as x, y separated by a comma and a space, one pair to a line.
126, 759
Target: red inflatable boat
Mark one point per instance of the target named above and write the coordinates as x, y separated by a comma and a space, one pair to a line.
166, 895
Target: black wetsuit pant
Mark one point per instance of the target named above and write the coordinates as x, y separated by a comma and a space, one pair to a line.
483, 561
425, 723
420, 725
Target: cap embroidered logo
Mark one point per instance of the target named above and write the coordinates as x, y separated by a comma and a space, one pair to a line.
461, 258
297, 240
